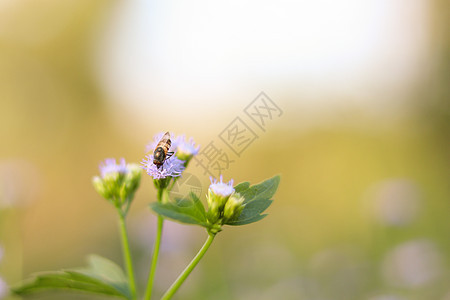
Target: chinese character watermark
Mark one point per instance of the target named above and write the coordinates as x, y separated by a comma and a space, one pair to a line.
211, 158
188, 183
262, 109
237, 136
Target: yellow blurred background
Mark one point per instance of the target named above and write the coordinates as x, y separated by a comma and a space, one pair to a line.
362, 143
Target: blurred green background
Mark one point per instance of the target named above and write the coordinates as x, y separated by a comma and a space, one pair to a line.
362, 145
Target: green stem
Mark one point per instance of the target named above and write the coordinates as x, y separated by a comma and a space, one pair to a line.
127, 255
162, 195
151, 276
176, 285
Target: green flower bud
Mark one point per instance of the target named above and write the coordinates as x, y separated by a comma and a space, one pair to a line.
215, 210
218, 195
216, 201
186, 157
118, 182
100, 187
233, 207
130, 182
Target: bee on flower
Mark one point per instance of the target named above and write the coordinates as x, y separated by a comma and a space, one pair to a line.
162, 163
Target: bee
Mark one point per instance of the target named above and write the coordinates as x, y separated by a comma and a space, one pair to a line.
161, 152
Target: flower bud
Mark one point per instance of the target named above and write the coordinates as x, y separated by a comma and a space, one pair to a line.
118, 182
218, 195
100, 187
111, 184
233, 207
131, 181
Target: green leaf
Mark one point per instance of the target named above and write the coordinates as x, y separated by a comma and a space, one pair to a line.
251, 212
101, 277
257, 200
263, 190
246, 221
108, 272
189, 211
242, 187
198, 203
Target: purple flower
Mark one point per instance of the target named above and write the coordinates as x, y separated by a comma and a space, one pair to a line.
220, 188
172, 167
109, 167
185, 147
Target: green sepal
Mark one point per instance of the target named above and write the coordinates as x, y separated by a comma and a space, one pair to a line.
102, 276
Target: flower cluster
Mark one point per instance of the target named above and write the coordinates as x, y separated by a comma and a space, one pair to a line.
223, 202
117, 181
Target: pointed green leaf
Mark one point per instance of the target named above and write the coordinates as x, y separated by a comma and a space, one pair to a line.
257, 200
263, 190
182, 210
242, 186
198, 203
246, 221
250, 211
258, 206
101, 277
67, 281
108, 272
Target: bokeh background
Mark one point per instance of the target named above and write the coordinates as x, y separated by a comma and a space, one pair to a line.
362, 144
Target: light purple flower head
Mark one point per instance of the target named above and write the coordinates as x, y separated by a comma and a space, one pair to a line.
172, 167
186, 147
109, 166
220, 188
118, 181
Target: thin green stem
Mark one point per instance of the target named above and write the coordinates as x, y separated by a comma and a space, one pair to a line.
151, 276
176, 285
162, 195
127, 255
